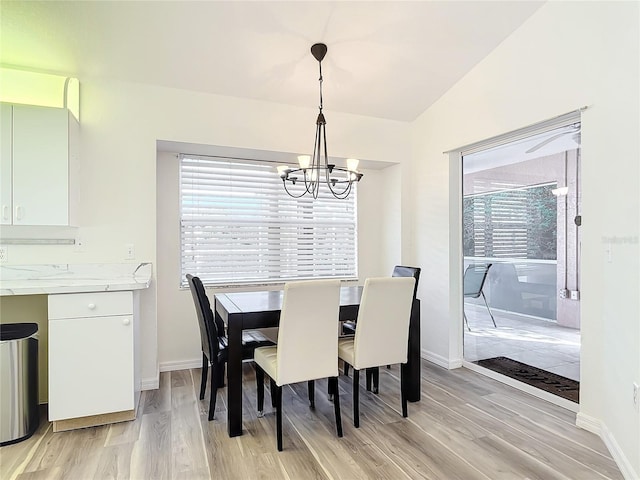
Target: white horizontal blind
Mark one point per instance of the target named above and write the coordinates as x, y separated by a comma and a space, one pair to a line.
239, 226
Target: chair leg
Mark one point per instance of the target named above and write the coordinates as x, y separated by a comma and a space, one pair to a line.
491, 314
465, 320
214, 390
346, 369
273, 388
279, 417
203, 375
356, 398
311, 386
260, 390
333, 387
376, 379
368, 377
403, 387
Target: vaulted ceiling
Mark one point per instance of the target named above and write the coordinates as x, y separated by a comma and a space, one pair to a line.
389, 59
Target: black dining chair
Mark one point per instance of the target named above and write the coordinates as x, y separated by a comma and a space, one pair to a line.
349, 327
214, 342
474, 277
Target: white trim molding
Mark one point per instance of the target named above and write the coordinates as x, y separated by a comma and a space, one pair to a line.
596, 426
180, 365
441, 361
150, 383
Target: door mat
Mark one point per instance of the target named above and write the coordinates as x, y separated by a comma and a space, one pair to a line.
547, 381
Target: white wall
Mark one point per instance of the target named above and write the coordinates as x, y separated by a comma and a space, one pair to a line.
178, 334
567, 55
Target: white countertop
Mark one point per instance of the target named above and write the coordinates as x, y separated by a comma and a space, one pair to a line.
70, 278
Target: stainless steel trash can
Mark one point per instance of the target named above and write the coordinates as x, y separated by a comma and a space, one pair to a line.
19, 416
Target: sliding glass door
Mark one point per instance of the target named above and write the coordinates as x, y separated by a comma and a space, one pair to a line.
521, 236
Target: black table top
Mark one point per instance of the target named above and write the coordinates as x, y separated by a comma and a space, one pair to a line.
271, 301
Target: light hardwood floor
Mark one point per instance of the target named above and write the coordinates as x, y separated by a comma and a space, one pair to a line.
465, 427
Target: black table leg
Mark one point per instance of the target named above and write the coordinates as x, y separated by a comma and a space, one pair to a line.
234, 376
411, 372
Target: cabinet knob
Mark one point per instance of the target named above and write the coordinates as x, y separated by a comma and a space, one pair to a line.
5, 212
92, 306
19, 212
126, 321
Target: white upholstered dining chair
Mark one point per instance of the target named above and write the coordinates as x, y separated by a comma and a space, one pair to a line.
377, 340
307, 347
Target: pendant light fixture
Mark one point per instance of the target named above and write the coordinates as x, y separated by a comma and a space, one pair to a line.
315, 170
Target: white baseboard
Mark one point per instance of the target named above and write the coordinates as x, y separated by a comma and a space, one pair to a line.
180, 365
588, 423
153, 383
441, 361
596, 426
150, 383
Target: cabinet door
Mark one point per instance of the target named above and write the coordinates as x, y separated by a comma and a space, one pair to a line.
91, 366
40, 166
5, 164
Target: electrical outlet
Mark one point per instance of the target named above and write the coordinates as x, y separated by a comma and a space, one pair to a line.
78, 246
564, 293
574, 294
4, 254
130, 251
636, 400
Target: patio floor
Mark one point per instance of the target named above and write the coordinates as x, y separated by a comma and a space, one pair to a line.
535, 342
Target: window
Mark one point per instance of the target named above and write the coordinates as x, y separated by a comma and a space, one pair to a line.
238, 226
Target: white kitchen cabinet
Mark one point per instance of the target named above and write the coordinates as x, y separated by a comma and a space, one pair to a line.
6, 180
92, 367
39, 161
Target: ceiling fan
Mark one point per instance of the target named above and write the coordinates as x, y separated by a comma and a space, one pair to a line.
574, 130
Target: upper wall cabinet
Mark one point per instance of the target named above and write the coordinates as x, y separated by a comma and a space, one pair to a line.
38, 164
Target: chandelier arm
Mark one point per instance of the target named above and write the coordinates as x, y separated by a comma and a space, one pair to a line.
343, 194
291, 194
338, 194
317, 155
309, 184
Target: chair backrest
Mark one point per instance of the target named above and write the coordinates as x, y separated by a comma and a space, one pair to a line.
308, 331
383, 322
208, 328
474, 278
402, 271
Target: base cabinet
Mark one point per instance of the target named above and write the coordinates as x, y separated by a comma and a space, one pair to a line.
91, 354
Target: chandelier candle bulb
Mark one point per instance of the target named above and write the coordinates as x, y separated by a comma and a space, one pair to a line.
352, 164
304, 161
283, 170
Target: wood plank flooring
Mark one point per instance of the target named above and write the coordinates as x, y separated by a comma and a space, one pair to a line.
465, 427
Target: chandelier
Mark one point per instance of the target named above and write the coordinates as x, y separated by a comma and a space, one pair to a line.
316, 169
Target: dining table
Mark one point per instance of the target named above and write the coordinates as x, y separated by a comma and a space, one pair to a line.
261, 309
